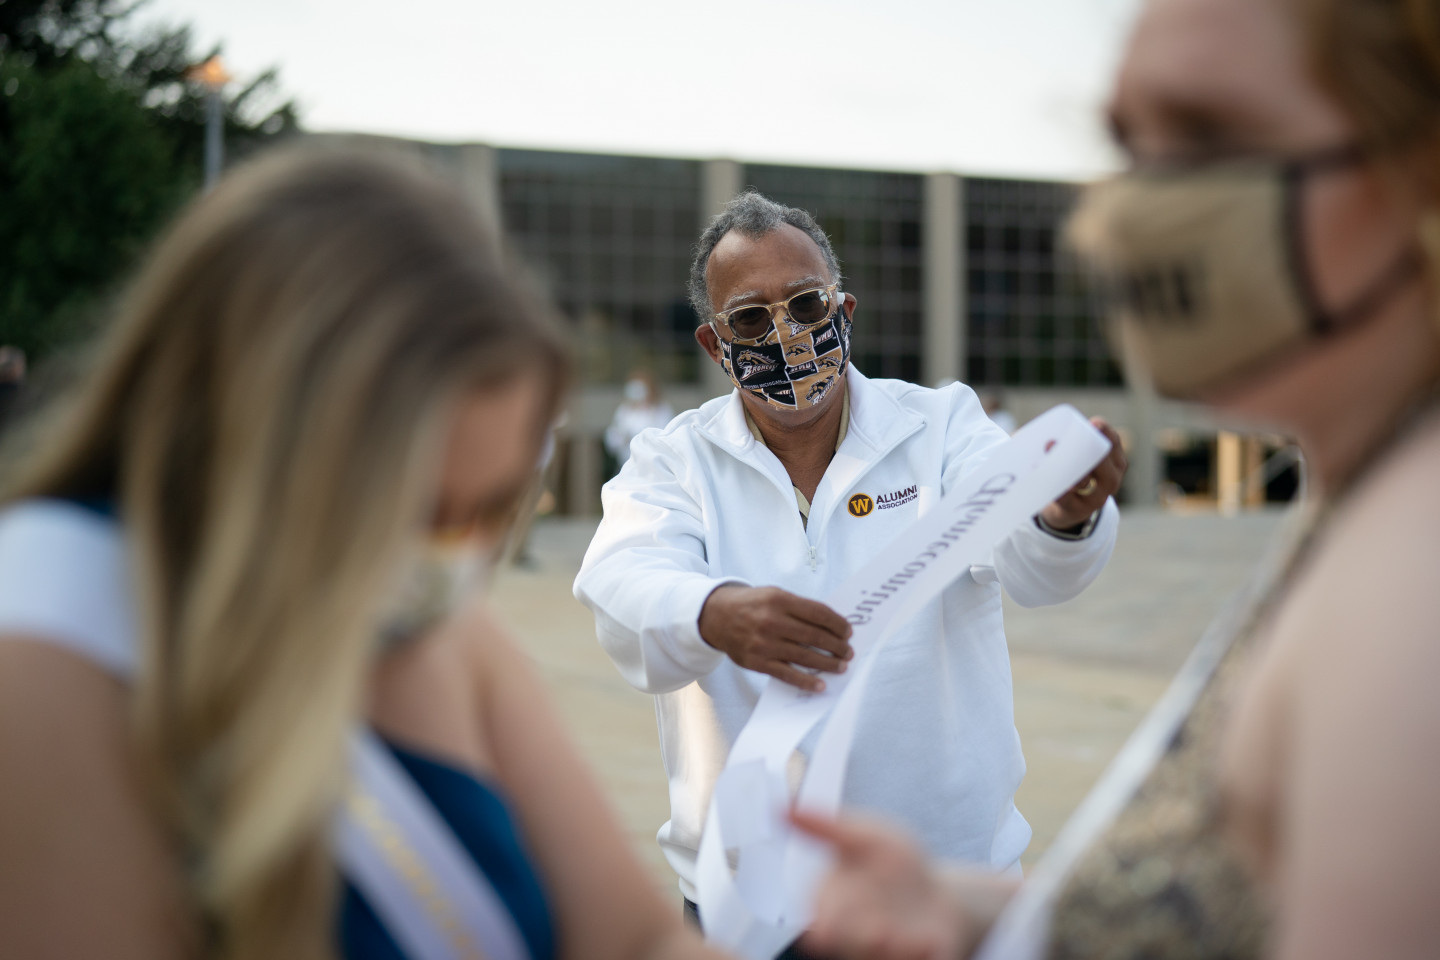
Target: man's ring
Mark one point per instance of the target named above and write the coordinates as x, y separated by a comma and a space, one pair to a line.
1088, 487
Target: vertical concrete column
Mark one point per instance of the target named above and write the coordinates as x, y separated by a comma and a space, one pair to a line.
1228, 466
720, 182
943, 325
479, 171
1142, 479
1253, 473
583, 467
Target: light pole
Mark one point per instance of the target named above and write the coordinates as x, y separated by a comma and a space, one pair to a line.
213, 76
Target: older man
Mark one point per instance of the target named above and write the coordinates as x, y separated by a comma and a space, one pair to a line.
724, 525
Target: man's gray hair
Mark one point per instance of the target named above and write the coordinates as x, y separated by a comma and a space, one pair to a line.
753, 215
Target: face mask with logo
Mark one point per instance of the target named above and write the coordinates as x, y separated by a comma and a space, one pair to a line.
1205, 269
437, 580
794, 370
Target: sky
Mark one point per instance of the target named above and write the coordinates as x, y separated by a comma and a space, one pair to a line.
1002, 87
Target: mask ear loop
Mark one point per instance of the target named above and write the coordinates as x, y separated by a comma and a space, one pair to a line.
843, 324
1409, 264
1293, 227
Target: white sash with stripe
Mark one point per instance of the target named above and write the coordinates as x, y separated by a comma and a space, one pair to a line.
64, 579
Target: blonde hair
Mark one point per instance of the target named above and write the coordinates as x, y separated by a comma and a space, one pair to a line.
266, 414
1380, 59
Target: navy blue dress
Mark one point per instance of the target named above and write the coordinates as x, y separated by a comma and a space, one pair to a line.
482, 821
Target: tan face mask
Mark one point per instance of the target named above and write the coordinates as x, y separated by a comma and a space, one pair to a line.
1204, 267
438, 579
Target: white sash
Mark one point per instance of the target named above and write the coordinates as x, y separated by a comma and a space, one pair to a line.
766, 903
397, 850
1022, 931
64, 580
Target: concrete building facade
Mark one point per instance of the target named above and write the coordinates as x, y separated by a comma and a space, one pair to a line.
956, 277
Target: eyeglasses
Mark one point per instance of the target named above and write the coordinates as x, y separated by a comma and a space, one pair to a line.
753, 322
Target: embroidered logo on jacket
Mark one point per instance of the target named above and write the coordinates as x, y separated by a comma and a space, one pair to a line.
861, 505
897, 498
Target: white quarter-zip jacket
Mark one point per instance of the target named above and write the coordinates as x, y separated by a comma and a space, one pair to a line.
701, 504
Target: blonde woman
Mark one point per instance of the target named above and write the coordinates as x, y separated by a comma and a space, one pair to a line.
255, 528
1275, 249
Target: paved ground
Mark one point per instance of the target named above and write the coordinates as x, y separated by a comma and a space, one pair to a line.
1085, 672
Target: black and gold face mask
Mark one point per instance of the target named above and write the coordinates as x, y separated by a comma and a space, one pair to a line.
1204, 267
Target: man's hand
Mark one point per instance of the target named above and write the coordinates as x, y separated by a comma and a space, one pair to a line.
775, 632
1090, 494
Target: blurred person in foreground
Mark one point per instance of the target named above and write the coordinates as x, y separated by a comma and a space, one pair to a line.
255, 533
723, 527
1275, 251
640, 409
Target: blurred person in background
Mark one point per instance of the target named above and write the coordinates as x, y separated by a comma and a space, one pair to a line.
1274, 250
12, 383
994, 403
255, 532
641, 409
722, 527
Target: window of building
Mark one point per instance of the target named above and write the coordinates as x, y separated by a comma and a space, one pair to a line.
1032, 322
611, 237
874, 222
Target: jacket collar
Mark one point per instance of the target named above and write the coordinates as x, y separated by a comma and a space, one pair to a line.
878, 423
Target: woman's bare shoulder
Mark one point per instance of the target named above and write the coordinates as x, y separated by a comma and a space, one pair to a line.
1391, 515
1400, 487
488, 641
63, 693
83, 864
1360, 722
1371, 587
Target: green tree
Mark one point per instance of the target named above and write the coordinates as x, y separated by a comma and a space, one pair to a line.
101, 139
